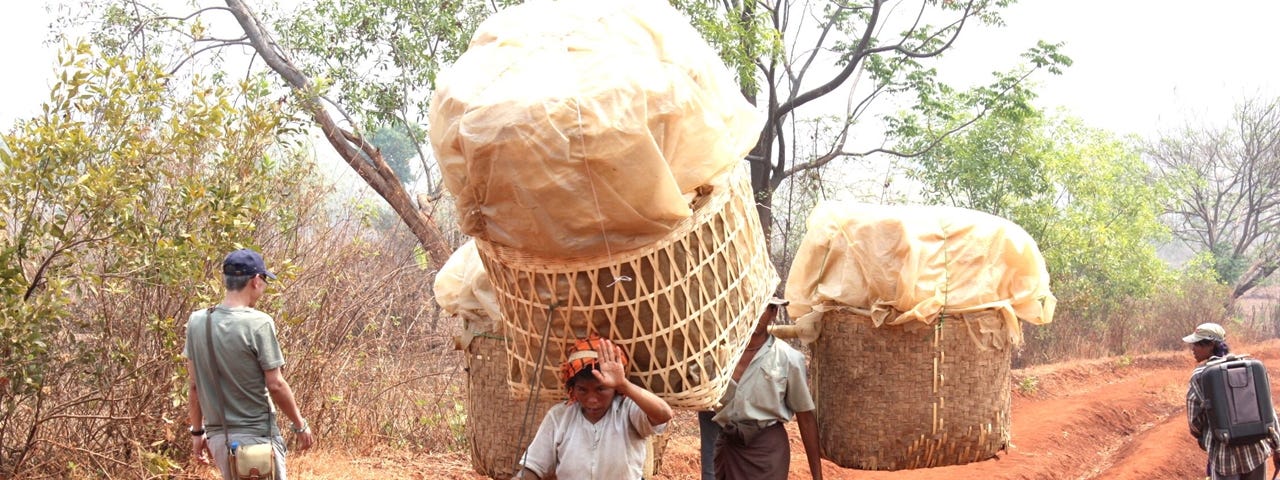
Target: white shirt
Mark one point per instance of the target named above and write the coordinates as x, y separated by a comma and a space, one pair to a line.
574, 448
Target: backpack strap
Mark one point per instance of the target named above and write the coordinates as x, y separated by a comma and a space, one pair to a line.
217, 376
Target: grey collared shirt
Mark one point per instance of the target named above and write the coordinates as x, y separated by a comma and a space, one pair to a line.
772, 388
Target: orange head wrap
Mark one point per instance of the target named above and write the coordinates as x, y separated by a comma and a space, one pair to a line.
582, 355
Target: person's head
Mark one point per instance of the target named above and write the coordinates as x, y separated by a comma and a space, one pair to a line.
771, 310
244, 272
581, 385
593, 396
1208, 340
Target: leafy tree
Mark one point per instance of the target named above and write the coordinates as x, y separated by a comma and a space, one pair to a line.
1227, 200
1084, 195
380, 58
792, 55
398, 149
116, 201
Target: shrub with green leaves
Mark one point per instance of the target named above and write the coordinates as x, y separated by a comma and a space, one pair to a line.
116, 201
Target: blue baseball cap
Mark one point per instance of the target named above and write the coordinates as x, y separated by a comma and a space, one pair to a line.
245, 262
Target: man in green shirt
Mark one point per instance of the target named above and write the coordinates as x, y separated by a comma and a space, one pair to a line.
234, 389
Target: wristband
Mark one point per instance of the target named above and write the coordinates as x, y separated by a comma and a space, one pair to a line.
299, 429
194, 432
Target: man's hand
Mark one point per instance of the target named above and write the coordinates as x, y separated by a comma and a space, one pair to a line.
610, 374
200, 449
305, 439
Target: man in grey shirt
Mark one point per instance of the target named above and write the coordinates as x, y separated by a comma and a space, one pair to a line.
233, 400
768, 388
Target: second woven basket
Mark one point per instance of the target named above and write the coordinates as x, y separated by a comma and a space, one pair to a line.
893, 399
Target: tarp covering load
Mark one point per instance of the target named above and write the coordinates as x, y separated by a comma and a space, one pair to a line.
495, 416
595, 151
463, 288
907, 265
583, 127
912, 312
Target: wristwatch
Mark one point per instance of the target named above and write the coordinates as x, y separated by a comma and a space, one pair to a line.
194, 432
299, 428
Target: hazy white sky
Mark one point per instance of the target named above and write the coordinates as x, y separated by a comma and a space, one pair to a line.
1140, 65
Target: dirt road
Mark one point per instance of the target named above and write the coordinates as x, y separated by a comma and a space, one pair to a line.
1115, 418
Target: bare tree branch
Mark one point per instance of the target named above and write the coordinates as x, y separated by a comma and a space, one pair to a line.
193, 55
1229, 203
366, 160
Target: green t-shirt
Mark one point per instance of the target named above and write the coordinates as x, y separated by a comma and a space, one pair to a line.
246, 345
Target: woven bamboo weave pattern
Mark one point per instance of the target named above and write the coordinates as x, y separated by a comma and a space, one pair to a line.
682, 309
494, 416
890, 399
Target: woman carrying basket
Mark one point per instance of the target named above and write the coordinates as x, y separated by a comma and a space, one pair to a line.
600, 432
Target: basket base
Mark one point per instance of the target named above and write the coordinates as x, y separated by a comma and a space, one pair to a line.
890, 399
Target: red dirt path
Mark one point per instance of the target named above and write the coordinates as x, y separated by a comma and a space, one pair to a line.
1104, 419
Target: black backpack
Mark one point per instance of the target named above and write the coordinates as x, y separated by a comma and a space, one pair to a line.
1238, 393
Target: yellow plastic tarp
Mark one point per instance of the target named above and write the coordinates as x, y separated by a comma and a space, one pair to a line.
583, 127
906, 265
463, 288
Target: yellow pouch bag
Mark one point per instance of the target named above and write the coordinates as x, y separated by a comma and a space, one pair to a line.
253, 462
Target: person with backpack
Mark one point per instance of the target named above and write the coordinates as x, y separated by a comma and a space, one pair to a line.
1229, 459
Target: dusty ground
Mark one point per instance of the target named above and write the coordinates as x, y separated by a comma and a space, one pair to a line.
1108, 419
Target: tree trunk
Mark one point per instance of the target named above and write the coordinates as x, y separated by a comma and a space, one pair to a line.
1256, 273
370, 166
761, 188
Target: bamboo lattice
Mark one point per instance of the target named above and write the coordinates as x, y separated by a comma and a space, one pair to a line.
682, 309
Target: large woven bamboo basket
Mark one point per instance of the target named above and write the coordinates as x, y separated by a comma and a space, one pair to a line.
890, 399
499, 426
682, 309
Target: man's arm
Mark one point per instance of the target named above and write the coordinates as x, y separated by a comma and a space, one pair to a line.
195, 417
282, 395
808, 424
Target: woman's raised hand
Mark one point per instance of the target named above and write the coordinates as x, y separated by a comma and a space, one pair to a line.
611, 373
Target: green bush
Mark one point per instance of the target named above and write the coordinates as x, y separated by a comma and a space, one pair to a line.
118, 200
117, 204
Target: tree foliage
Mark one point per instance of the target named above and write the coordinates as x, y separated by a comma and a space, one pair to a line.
380, 58
116, 201
398, 148
803, 54
1227, 200
1084, 195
